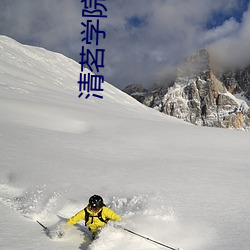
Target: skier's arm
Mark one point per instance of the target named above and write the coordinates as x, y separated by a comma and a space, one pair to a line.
110, 214
77, 217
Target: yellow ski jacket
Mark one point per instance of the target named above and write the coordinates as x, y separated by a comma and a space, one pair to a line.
94, 223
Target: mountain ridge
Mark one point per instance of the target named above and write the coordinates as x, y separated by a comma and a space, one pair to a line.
200, 95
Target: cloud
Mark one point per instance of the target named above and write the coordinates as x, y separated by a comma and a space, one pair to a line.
171, 31
48, 23
228, 28
144, 40
233, 49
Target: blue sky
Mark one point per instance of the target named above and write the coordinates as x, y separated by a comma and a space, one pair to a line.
218, 17
145, 39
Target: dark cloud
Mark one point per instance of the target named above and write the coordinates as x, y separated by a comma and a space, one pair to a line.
144, 40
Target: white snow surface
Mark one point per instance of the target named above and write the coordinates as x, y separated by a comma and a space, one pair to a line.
182, 185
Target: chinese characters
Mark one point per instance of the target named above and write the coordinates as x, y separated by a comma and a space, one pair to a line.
95, 10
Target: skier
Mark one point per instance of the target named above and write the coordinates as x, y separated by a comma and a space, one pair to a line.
95, 214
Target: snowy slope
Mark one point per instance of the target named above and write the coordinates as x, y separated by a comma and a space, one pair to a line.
179, 184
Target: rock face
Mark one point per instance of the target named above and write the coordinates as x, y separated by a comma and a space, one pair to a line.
201, 97
237, 81
136, 90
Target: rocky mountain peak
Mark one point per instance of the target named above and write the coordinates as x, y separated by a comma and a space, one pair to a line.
196, 64
202, 97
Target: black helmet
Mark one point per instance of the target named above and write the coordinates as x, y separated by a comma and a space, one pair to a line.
95, 202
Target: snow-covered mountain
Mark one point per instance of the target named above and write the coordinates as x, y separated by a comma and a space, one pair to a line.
201, 96
237, 81
182, 185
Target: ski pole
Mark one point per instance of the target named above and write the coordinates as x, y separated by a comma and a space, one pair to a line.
146, 238
45, 228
